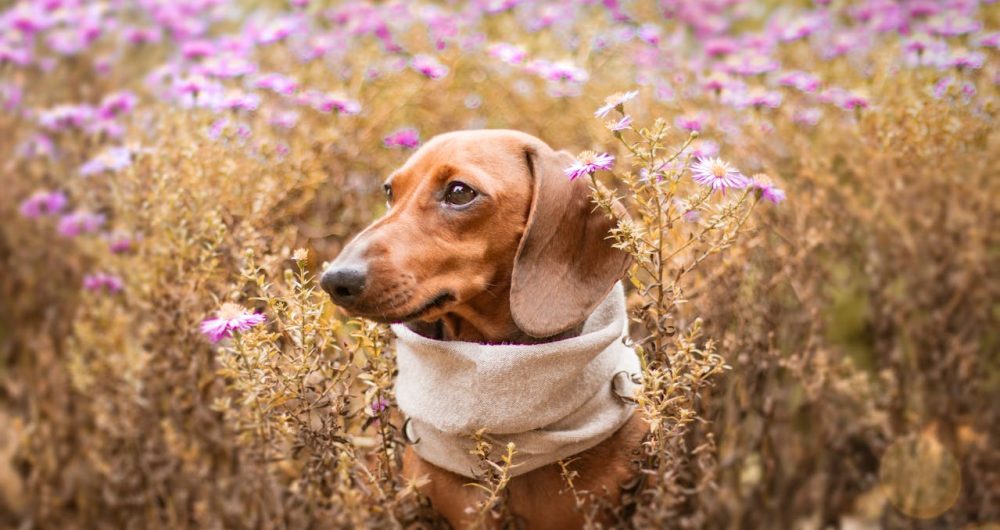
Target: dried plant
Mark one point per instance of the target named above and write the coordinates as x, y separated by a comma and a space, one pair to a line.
166, 360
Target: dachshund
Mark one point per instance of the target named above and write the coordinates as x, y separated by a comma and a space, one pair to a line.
487, 240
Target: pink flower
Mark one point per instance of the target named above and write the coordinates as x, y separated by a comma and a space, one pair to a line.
428, 66
691, 122
331, 102
116, 104
277, 83
621, 124
717, 174
615, 101
588, 162
43, 203
508, 53
102, 281
766, 189
229, 318
407, 138
120, 242
803, 81
79, 222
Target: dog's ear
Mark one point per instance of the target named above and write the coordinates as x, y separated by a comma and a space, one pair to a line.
565, 264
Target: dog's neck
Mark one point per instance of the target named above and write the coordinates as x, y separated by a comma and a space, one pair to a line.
485, 319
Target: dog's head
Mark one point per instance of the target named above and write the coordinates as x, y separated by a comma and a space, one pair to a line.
480, 216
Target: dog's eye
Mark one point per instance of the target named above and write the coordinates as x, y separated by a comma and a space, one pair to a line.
388, 194
459, 193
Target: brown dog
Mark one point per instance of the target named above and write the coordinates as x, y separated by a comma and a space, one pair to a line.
487, 240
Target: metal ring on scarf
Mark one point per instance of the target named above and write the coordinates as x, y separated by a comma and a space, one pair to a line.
618, 385
411, 439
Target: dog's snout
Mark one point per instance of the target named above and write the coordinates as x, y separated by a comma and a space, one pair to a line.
343, 284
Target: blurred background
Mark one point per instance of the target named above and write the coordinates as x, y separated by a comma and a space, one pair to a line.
163, 157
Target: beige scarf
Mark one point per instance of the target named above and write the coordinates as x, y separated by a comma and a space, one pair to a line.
552, 400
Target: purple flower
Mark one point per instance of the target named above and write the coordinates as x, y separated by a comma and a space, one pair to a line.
760, 98
103, 281
800, 80
111, 159
120, 242
588, 162
278, 83
650, 34
615, 101
691, 122
285, 119
428, 66
78, 222
379, 405
852, 101
808, 117
407, 138
229, 318
621, 124
565, 71
62, 117
508, 53
116, 104
43, 203
704, 148
334, 102
717, 174
766, 189
964, 59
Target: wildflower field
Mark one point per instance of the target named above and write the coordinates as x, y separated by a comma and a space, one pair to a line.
813, 191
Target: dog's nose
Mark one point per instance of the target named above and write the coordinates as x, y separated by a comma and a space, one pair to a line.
343, 284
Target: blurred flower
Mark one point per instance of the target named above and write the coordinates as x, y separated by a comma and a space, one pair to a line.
964, 59
62, 117
565, 71
378, 405
120, 242
649, 33
407, 138
285, 119
691, 122
588, 162
331, 102
111, 159
428, 66
508, 53
102, 281
79, 222
809, 116
717, 174
619, 125
766, 189
615, 101
43, 203
704, 148
229, 318
116, 104
800, 80
278, 83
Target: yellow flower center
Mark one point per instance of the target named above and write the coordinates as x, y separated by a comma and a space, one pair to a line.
719, 170
229, 311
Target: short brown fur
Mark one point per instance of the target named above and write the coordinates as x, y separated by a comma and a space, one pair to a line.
526, 263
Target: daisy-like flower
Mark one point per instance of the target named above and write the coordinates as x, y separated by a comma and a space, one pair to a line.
717, 174
619, 125
588, 162
229, 318
767, 189
407, 138
429, 66
615, 101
